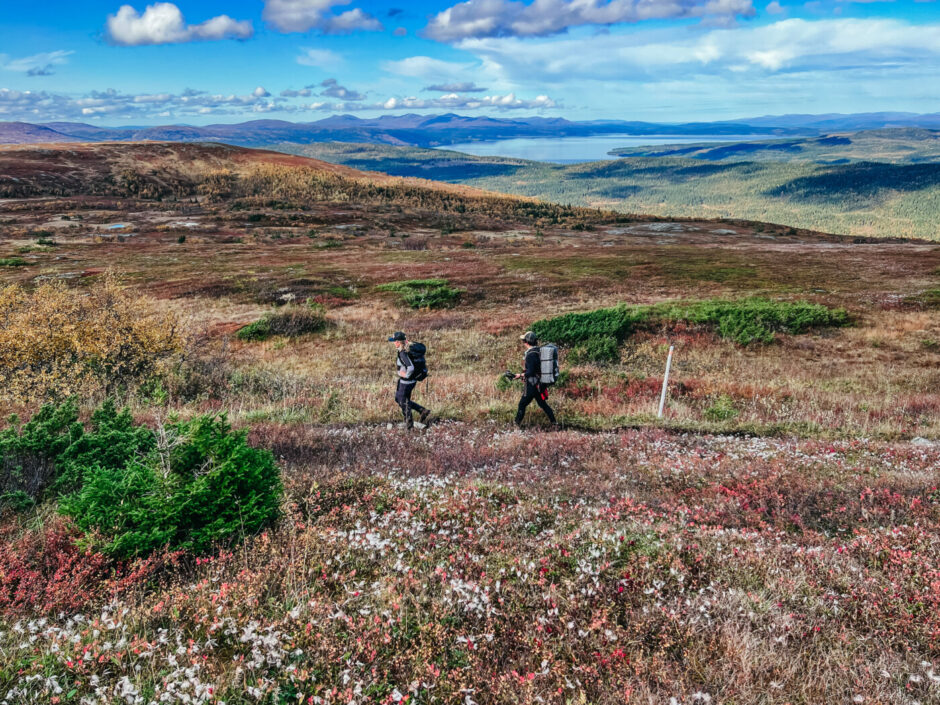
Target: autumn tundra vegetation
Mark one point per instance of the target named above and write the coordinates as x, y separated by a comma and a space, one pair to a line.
205, 498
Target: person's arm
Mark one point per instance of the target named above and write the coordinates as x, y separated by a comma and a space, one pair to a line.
533, 367
406, 366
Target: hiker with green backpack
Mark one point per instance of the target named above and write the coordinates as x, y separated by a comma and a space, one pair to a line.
541, 371
412, 368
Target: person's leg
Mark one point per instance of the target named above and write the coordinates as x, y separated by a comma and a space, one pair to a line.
542, 401
402, 398
524, 402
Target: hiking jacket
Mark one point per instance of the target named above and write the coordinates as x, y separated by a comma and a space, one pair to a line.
533, 367
405, 363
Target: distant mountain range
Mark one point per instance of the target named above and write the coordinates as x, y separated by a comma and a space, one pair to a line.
438, 130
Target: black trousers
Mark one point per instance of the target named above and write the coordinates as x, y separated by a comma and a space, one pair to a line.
403, 399
534, 393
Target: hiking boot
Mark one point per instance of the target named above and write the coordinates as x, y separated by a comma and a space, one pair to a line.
409, 423
425, 415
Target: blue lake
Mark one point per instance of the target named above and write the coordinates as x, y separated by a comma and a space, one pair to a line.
570, 150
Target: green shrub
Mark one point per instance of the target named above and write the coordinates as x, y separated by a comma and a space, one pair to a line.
111, 441
424, 293
754, 319
203, 486
291, 322
746, 321
722, 409
12, 262
618, 322
599, 349
28, 453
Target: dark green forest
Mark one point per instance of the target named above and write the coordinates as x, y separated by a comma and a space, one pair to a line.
881, 183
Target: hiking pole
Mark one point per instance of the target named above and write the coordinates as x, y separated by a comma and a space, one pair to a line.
662, 397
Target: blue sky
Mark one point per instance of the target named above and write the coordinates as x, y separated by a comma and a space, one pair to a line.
140, 63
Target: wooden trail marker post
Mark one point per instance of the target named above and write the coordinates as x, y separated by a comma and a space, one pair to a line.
662, 397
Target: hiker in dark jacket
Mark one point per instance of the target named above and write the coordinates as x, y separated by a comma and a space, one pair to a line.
534, 390
408, 377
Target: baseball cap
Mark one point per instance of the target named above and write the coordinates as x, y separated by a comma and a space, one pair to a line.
529, 337
397, 336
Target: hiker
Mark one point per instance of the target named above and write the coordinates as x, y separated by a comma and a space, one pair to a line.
412, 368
534, 388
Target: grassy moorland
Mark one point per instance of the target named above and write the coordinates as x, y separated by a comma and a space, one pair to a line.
774, 539
875, 183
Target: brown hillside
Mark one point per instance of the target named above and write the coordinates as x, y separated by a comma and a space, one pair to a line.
152, 169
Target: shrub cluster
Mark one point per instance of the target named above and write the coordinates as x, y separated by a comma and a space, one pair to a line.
424, 293
56, 342
291, 322
595, 335
188, 485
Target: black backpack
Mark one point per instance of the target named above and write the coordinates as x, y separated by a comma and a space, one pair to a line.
417, 352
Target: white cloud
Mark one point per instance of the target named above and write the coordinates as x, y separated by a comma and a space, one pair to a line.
320, 58
37, 64
775, 8
459, 102
462, 87
513, 18
305, 15
42, 106
332, 89
114, 106
791, 45
163, 23
426, 67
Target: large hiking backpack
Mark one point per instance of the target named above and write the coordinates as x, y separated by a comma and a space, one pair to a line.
417, 353
548, 359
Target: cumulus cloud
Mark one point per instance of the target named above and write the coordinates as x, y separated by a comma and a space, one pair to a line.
332, 89
37, 64
163, 23
454, 101
291, 93
320, 58
42, 106
426, 67
792, 45
115, 107
305, 15
513, 18
455, 88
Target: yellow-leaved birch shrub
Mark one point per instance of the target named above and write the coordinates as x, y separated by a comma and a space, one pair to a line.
57, 342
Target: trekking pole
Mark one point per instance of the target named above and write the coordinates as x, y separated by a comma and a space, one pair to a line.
662, 397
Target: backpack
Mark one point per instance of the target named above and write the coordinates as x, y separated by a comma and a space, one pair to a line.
417, 352
548, 359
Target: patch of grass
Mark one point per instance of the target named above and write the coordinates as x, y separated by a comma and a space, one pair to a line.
13, 262
722, 409
342, 292
289, 323
746, 321
929, 298
424, 293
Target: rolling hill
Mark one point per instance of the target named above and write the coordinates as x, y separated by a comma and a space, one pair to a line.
834, 184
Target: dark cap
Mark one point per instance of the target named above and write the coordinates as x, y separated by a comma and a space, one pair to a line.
397, 337
529, 337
